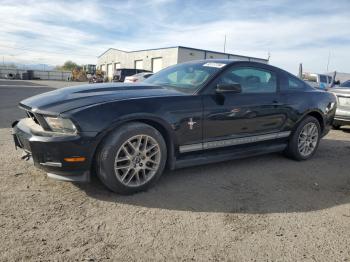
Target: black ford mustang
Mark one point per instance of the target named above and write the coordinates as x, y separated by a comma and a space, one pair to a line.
188, 114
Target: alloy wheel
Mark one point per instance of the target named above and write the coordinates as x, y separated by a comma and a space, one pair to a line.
308, 139
137, 160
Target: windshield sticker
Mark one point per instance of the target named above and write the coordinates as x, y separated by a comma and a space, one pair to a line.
217, 65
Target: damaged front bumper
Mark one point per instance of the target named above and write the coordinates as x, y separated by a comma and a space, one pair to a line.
50, 151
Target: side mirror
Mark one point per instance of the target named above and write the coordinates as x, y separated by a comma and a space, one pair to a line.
228, 88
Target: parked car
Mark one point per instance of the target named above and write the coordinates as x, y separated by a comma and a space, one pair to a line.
137, 78
342, 115
318, 80
120, 74
188, 114
345, 84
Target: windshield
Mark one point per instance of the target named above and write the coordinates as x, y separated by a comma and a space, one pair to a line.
186, 77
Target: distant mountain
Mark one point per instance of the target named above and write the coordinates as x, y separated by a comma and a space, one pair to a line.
36, 66
45, 67
342, 77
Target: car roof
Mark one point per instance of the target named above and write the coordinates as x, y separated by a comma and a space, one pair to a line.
227, 61
224, 61
231, 62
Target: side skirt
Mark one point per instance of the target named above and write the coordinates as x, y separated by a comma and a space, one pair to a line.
215, 156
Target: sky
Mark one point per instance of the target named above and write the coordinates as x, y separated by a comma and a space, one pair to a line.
315, 33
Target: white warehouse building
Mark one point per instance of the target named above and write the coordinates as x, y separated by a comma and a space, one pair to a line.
157, 59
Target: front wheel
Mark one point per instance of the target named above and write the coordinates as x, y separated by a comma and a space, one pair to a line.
305, 139
132, 158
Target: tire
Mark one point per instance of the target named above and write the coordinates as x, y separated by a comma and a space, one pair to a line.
297, 149
131, 158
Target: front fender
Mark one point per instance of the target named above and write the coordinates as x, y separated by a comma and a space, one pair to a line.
142, 117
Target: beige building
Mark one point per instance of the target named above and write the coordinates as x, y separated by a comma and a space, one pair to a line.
157, 59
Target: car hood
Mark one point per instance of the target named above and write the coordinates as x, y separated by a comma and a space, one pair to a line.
68, 98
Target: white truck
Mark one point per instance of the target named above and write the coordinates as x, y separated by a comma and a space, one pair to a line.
318, 80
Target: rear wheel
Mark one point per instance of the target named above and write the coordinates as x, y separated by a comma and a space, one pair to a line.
132, 158
305, 139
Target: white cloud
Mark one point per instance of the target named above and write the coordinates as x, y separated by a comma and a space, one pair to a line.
292, 32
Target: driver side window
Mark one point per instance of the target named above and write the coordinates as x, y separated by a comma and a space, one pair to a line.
252, 80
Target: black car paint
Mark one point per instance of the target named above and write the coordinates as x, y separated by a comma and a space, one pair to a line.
98, 109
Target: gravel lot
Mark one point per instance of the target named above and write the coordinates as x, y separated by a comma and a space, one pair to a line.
267, 208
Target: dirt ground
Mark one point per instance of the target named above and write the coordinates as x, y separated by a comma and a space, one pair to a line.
266, 208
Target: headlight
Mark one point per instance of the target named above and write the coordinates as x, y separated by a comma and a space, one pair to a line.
62, 125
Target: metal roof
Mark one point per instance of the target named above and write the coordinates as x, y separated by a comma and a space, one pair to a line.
183, 47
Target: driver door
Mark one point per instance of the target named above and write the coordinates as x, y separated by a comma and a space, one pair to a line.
254, 111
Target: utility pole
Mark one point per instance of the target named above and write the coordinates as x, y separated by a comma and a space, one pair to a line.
300, 73
225, 45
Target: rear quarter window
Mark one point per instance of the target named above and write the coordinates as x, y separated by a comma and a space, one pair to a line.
292, 84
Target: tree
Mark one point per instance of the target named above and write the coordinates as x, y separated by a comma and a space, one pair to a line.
68, 66
78, 75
